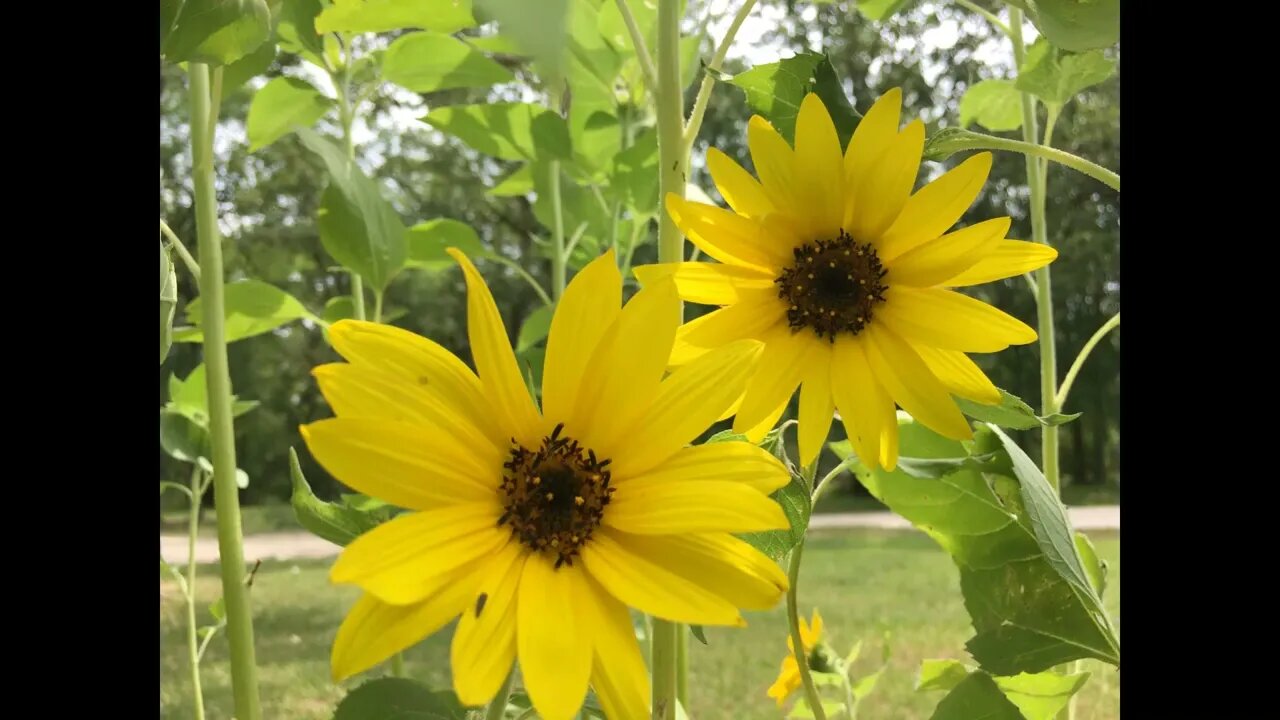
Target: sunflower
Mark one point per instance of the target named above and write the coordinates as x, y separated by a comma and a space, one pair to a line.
540, 527
848, 277
789, 676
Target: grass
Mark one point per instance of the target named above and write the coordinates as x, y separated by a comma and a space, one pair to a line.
864, 582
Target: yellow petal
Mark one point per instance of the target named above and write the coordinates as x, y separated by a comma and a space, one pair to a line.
960, 375
356, 391
865, 407
870, 140
775, 164
785, 360
411, 466
743, 193
730, 238
707, 283
623, 374
589, 305
484, 645
936, 207
374, 631
949, 320
409, 557
881, 195
417, 360
683, 406
913, 385
618, 672
811, 632
736, 462
495, 361
817, 407
820, 167
647, 584
756, 432
755, 314
554, 638
645, 507
936, 261
788, 681
1009, 258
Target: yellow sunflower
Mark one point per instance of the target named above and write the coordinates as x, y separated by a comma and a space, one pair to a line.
541, 527
847, 278
789, 676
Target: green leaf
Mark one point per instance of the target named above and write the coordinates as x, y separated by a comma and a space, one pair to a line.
1056, 77
535, 328
358, 227
698, 633
219, 610
373, 16
508, 131
995, 104
949, 141
1041, 696
391, 698
338, 308
540, 34
614, 28
428, 61
428, 241
635, 174
168, 301
977, 696
181, 437
1095, 567
296, 32
280, 105
246, 68
941, 675
882, 9
339, 524
494, 44
217, 32
240, 407
1012, 412
518, 183
794, 499
189, 395
775, 91
252, 308
1077, 25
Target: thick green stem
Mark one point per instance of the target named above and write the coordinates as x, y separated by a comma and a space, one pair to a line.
193, 640
797, 643
244, 677
708, 79
664, 669
673, 158
346, 116
377, 306
498, 708
192, 266
682, 665
397, 665
559, 255
1061, 400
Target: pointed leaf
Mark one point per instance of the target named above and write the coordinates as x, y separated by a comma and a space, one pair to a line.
282, 104
252, 308
429, 61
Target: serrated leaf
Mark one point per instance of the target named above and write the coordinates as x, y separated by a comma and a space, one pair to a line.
1077, 25
506, 130
373, 16
235, 75
181, 437
1041, 696
392, 698
539, 35
296, 32
776, 90
282, 104
429, 61
217, 32
795, 502
994, 104
339, 524
252, 308
977, 696
518, 183
534, 329
1056, 77
428, 242
940, 675
1012, 412
634, 176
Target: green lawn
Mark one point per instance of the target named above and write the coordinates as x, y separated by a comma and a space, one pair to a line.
864, 582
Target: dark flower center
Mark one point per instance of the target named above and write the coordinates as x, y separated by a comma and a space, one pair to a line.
555, 495
833, 286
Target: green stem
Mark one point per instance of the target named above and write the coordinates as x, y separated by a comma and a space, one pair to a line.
244, 678
533, 283
708, 79
637, 40
980, 141
835, 472
192, 266
1061, 400
682, 665
990, 16
673, 158
397, 664
377, 306
346, 116
664, 669
559, 256
193, 640
498, 707
797, 643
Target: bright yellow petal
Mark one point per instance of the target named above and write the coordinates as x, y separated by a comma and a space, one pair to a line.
960, 375
817, 407
788, 681
756, 432
417, 360
811, 632
726, 236
949, 320
937, 261
706, 283
587, 309
1009, 258
736, 462
910, 382
644, 507
881, 196
755, 314
618, 672
785, 360
495, 361
936, 207
412, 466
863, 403
743, 193
716, 562
407, 558
373, 631
870, 140
820, 168
683, 407
484, 645
647, 584
623, 375
555, 641
775, 164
